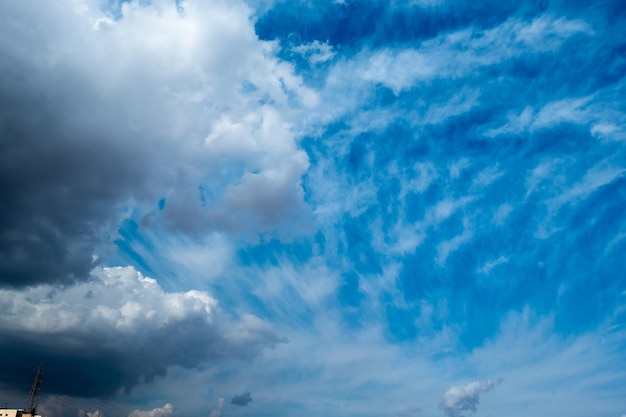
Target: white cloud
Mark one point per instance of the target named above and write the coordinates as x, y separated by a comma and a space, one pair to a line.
166, 411
316, 52
619, 237
566, 110
596, 177
457, 167
516, 123
546, 171
446, 247
445, 208
217, 411
427, 173
118, 301
600, 112
463, 398
487, 177
293, 292
551, 178
547, 32
459, 103
502, 213
198, 260
456, 54
545, 371
397, 69
608, 129
489, 266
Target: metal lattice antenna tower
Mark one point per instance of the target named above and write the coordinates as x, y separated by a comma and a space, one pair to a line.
33, 396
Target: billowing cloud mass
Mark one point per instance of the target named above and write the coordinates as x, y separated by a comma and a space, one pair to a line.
117, 330
105, 113
464, 398
242, 399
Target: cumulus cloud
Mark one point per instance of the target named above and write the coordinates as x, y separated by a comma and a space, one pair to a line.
464, 398
242, 399
100, 114
117, 330
165, 411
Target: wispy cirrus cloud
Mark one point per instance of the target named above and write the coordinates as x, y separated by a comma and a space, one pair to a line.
457, 54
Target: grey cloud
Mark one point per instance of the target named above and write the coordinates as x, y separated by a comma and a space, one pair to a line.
66, 162
464, 398
128, 333
94, 122
59, 197
242, 399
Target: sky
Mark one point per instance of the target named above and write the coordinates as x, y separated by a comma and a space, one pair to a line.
403, 208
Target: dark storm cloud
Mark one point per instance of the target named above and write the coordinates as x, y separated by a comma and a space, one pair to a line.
65, 166
97, 119
80, 367
242, 399
129, 332
59, 189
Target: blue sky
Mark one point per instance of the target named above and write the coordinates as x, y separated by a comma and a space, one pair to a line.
342, 208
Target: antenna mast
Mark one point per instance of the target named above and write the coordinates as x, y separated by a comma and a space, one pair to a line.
33, 396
